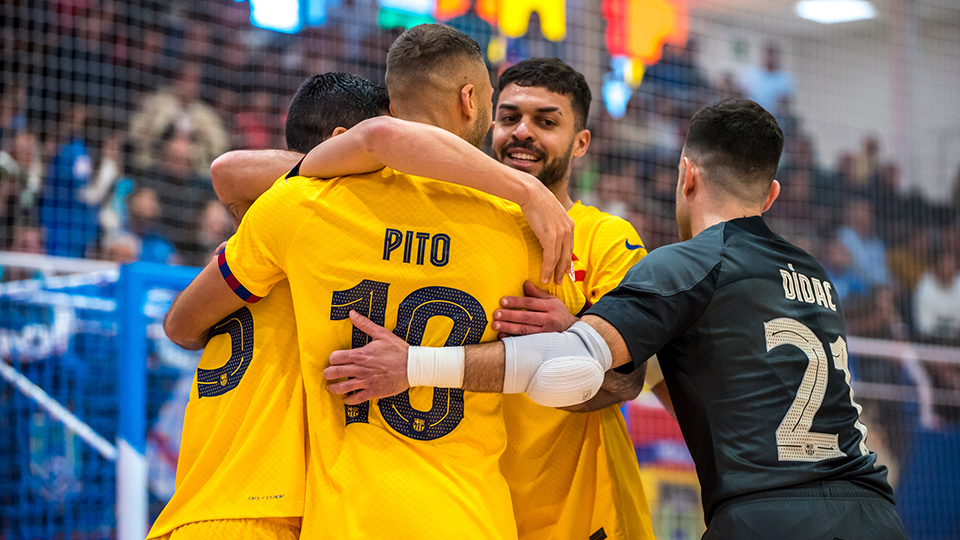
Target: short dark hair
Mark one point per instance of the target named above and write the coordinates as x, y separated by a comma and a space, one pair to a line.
556, 76
739, 145
427, 47
330, 100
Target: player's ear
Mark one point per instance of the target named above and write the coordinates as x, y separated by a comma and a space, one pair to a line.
468, 105
581, 142
771, 195
339, 130
691, 177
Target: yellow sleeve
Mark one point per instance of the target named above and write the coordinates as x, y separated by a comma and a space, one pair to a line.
615, 247
255, 257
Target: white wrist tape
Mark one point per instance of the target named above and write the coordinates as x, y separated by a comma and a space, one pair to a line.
556, 370
440, 367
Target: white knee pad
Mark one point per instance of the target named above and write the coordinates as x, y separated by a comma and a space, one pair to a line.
557, 370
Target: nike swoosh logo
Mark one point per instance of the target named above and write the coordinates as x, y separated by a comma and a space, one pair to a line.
631, 246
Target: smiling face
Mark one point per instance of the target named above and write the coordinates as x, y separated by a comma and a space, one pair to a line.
534, 131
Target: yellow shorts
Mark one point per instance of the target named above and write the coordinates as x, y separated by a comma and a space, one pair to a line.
238, 529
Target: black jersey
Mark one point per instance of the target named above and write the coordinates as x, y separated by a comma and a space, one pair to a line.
750, 338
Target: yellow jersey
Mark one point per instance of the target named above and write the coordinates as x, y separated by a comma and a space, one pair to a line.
432, 261
242, 452
575, 475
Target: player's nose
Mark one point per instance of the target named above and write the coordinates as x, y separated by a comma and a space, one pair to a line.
522, 131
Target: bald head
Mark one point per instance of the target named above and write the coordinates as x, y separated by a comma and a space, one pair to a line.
428, 67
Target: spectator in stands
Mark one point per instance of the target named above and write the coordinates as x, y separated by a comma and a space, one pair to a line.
121, 248
69, 220
910, 259
956, 192
937, 314
658, 205
617, 185
665, 123
768, 83
787, 117
20, 180
178, 109
181, 194
13, 106
214, 228
838, 263
846, 170
677, 73
795, 212
866, 165
729, 87
937, 300
143, 222
876, 316
799, 156
255, 124
144, 62
892, 208
630, 135
869, 255
27, 238
950, 237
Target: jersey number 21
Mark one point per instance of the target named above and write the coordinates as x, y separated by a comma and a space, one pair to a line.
795, 441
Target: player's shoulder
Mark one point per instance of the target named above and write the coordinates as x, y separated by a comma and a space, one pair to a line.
751, 241
677, 267
285, 201
590, 217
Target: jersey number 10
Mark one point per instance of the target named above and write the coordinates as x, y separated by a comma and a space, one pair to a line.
369, 298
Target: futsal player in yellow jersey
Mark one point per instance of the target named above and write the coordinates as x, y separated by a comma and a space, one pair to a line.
572, 475
242, 469
428, 258
432, 261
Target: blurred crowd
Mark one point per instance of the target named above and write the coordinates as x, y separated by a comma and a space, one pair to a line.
112, 112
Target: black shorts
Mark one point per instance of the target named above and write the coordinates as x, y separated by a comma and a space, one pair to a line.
837, 510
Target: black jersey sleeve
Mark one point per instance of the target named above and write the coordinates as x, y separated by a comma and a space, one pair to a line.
661, 296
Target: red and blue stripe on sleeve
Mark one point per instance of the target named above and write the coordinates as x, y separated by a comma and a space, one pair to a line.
231, 280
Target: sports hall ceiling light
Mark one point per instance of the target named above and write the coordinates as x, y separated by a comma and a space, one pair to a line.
835, 11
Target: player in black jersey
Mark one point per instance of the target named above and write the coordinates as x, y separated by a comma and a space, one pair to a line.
750, 338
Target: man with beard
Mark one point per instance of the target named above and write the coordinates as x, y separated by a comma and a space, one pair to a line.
560, 464
751, 342
428, 258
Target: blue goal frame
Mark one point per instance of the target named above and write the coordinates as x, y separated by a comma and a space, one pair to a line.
135, 281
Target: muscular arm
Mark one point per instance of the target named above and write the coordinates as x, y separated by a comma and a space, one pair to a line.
422, 150
616, 389
206, 301
432, 152
484, 364
239, 177
379, 369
